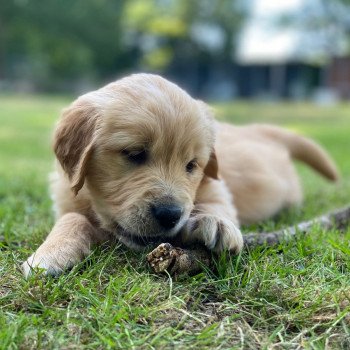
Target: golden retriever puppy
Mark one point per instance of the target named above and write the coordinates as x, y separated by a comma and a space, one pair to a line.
137, 160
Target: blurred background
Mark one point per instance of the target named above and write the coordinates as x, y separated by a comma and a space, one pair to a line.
217, 50
285, 62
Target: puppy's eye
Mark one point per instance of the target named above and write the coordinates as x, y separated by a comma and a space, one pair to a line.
137, 157
191, 165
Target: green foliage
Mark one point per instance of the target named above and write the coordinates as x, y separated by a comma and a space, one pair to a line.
60, 39
295, 294
170, 24
52, 43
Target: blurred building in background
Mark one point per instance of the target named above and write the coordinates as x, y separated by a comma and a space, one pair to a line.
219, 50
295, 49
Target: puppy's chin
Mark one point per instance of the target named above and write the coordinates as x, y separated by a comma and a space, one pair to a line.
138, 242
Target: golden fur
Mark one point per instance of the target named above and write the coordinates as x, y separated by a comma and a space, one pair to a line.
142, 143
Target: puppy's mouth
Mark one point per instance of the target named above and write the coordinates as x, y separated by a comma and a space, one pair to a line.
134, 240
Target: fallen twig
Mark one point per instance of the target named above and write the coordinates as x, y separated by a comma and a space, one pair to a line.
338, 219
177, 261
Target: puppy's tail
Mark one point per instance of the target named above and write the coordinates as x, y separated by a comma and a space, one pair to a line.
303, 149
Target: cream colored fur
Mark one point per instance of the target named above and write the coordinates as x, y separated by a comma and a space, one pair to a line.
99, 193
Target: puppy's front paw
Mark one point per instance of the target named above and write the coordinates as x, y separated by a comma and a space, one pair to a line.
216, 233
53, 263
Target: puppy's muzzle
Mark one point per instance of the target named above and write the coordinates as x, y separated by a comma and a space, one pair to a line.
167, 215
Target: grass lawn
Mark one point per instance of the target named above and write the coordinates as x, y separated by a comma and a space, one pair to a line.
293, 296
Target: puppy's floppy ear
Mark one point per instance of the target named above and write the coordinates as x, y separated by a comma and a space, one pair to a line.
212, 167
73, 141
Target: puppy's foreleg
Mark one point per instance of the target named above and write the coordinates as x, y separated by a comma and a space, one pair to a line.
67, 244
214, 219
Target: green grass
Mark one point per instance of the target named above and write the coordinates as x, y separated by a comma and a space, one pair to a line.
295, 295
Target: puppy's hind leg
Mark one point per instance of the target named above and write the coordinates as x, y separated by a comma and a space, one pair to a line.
67, 244
214, 219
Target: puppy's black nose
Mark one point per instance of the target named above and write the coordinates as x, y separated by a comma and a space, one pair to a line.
166, 215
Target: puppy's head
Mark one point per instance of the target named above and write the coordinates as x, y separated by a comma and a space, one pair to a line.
141, 145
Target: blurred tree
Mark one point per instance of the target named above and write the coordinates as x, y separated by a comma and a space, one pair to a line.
53, 43
187, 37
327, 23
59, 40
